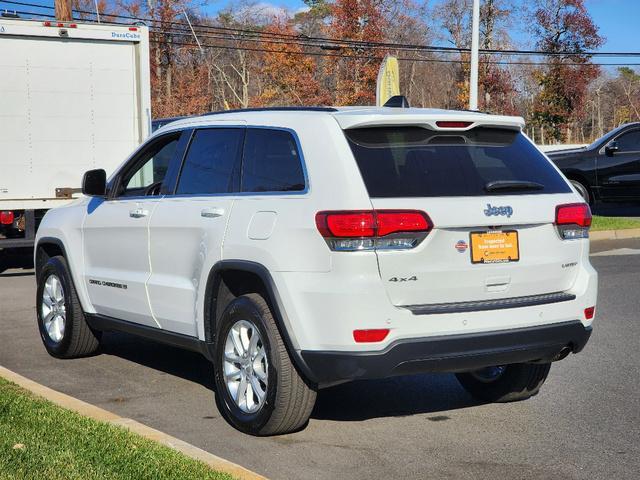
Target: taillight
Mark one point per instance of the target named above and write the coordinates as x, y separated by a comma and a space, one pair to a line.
450, 124
6, 218
373, 229
369, 336
573, 220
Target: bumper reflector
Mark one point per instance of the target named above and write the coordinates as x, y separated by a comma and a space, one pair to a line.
589, 312
369, 336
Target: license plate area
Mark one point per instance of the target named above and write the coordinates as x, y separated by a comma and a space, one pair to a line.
494, 246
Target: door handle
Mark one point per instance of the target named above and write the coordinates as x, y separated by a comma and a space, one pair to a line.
138, 213
212, 212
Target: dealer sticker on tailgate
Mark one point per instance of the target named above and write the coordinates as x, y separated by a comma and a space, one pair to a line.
494, 247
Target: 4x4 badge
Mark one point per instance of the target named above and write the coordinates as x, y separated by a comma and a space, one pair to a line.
504, 211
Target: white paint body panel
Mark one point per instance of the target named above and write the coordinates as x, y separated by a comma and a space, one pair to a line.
326, 295
68, 105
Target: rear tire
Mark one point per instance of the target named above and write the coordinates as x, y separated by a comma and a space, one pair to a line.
63, 328
515, 382
583, 190
274, 399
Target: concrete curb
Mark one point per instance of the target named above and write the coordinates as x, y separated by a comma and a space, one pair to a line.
615, 234
97, 413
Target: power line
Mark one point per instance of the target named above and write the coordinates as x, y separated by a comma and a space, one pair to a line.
367, 57
342, 43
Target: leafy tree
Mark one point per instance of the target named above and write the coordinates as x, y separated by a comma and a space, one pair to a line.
565, 28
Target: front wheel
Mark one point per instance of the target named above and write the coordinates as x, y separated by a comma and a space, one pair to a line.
63, 328
505, 383
583, 190
258, 389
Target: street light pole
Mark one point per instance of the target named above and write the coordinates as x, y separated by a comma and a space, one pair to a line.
475, 44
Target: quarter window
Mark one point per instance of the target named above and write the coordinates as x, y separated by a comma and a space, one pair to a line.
271, 162
211, 160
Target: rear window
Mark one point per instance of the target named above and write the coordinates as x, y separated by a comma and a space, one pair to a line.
417, 162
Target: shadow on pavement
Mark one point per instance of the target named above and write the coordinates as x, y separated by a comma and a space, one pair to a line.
617, 209
392, 397
356, 401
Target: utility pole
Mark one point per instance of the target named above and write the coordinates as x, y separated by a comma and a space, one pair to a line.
475, 43
63, 10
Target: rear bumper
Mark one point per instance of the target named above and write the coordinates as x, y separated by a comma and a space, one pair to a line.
450, 353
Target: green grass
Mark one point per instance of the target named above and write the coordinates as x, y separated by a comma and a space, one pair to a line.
39, 440
613, 223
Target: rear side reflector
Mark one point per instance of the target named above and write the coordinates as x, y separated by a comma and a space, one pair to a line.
589, 313
370, 336
573, 220
373, 229
6, 217
448, 124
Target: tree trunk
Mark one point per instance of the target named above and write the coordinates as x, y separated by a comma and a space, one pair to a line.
63, 10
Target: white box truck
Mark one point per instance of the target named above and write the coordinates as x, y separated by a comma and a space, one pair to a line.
73, 97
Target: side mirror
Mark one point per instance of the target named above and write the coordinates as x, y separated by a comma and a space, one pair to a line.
94, 183
611, 148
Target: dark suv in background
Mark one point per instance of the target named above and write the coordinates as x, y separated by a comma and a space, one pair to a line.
606, 170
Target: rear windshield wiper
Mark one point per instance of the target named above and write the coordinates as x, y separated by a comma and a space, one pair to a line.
500, 185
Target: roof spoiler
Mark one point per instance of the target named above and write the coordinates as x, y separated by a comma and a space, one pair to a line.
397, 101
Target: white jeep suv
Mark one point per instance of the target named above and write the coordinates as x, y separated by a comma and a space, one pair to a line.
297, 248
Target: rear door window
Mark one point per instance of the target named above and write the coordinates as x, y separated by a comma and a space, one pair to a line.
212, 162
271, 162
418, 162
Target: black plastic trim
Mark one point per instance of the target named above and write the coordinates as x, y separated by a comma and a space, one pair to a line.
104, 323
498, 304
274, 300
450, 353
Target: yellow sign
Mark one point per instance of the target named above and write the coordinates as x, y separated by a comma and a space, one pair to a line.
388, 80
494, 247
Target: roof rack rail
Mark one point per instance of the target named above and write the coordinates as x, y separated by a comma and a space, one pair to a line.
275, 109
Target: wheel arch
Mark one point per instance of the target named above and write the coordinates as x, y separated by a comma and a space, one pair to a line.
46, 248
229, 279
580, 177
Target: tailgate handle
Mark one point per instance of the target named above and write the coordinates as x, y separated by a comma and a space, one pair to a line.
497, 284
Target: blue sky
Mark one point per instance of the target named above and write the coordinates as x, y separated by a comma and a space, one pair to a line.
618, 20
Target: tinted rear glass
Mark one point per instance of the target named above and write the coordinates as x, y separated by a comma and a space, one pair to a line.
417, 162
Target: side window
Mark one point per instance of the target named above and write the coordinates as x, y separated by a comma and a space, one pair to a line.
209, 166
150, 168
629, 142
271, 162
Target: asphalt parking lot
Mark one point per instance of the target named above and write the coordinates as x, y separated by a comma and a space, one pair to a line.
585, 423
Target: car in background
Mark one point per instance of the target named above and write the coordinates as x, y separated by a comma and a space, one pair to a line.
161, 122
606, 170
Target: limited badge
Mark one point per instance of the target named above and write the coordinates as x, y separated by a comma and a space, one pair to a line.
462, 246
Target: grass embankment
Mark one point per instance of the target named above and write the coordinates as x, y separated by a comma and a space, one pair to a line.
613, 223
40, 440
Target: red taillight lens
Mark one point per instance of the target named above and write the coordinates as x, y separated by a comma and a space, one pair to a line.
346, 224
574, 214
369, 336
6, 218
369, 229
390, 221
589, 313
573, 221
449, 124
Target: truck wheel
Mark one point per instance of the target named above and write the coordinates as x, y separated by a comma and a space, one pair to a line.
61, 321
506, 383
258, 390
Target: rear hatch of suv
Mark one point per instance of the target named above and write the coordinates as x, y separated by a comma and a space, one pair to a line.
491, 200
